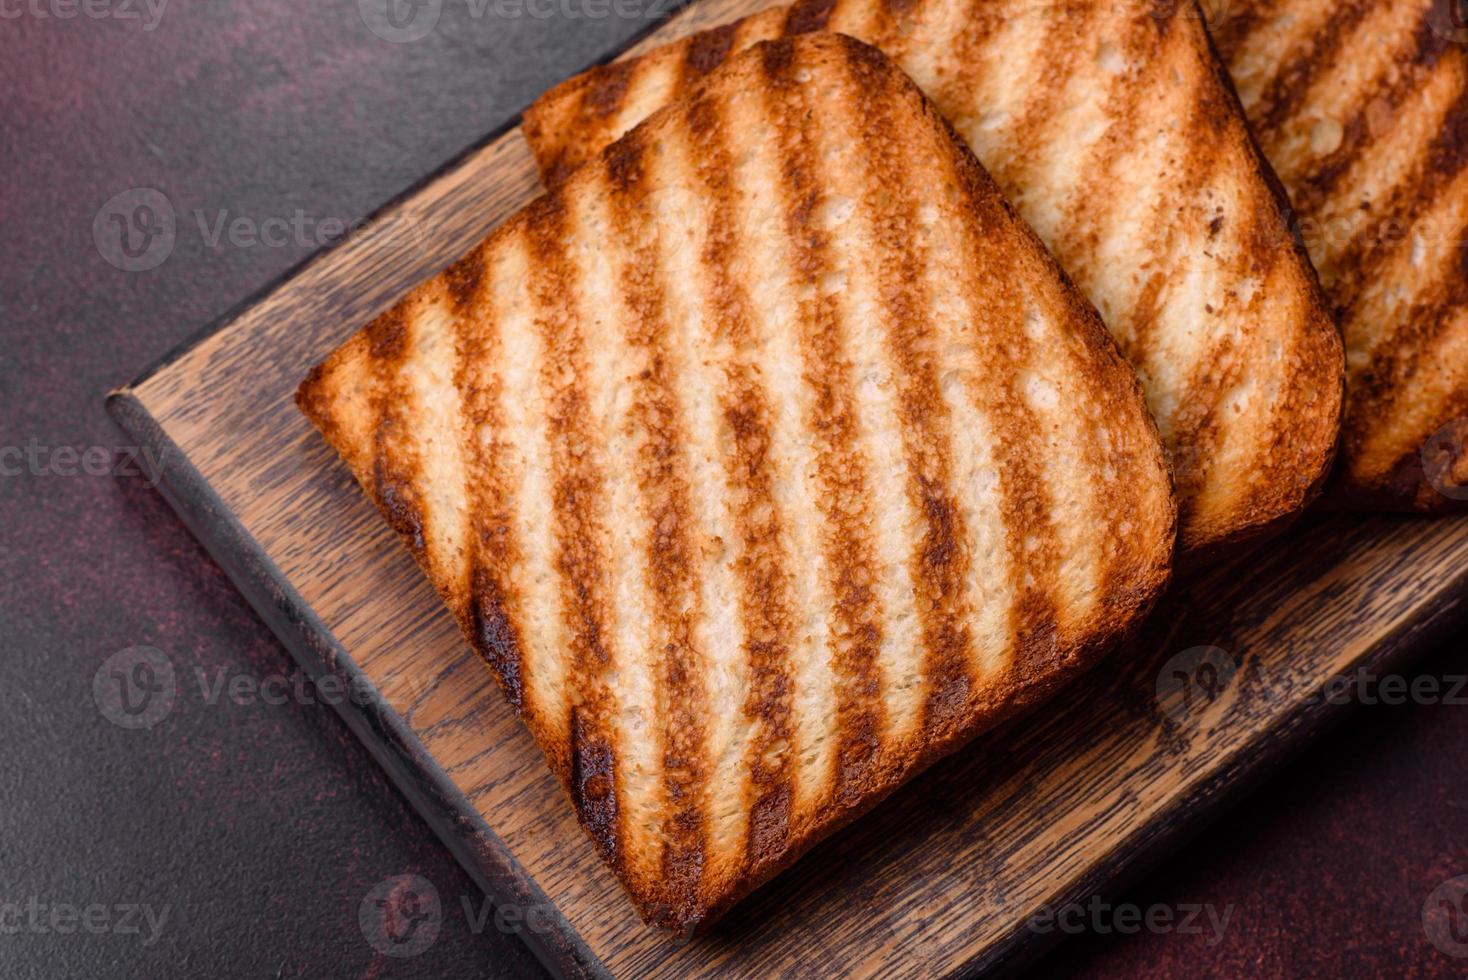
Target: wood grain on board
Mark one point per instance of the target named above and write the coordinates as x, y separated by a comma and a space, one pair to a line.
942, 877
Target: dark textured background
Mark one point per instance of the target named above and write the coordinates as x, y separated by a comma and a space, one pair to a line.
262, 827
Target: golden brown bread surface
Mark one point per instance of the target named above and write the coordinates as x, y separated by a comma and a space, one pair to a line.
764, 461
1110, 128
1362, 107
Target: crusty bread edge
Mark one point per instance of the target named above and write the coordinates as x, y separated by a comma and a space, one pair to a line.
1288, 504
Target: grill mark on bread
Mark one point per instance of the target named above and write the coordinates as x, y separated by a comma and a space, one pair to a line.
527, 451
593, 783
1436, 307
708, 49
876, 21
933, 26
1390, 177
1398, 344
1135, 325
767, 25
673, 170
494, 635
589, 101
1413, 198
491, 500
673, 579
312, 400
768, 625
940, 561
751, 202
1089, 208
432, 433
1029, 536
877, 416
1316, 187
1294, 79
856, 628
1392, 90
1139, 323
580, 558
1028, 133
1077, 241
394, 459
974, 435
463, 280
762, 563
1387, 382
1195, 431
387, 337
640, 717
1396, 77
1449, 153
1291, 34
971, 41
608, 88
555, 169
806, 16
1401, 73
1198, 427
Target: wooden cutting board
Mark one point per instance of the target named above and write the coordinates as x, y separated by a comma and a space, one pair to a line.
1236, 669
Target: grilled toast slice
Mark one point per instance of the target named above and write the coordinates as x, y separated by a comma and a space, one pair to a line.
1112, 130
1363, 109
766, 459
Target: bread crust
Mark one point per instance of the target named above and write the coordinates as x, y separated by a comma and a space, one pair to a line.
739, 595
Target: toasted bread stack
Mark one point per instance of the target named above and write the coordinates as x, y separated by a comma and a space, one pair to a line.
857, 382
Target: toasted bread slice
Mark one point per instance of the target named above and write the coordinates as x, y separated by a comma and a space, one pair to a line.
766, 459
1363, 109
1111, 130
